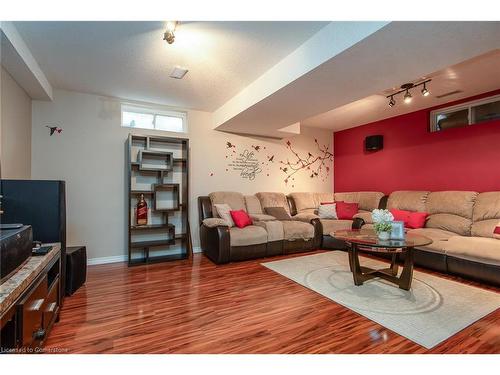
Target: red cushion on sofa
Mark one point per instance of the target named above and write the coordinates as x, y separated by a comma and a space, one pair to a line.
400, 215
241, 218
417, 220
345, 211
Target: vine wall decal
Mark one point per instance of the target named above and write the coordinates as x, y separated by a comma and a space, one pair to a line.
251, 161
315, 164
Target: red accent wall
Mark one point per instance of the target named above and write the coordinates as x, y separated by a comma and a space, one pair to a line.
413, 158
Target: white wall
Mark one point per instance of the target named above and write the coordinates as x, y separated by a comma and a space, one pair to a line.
15, 132
90, 156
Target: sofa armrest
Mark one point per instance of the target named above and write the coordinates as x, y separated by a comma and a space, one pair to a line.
215, 243
318, 233
366, 216
305, 217
357, 223
213, 222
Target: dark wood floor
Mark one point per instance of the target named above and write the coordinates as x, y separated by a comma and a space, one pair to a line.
194, 306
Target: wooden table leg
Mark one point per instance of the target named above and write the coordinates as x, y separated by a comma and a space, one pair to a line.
354, 264
394, 264
407, 274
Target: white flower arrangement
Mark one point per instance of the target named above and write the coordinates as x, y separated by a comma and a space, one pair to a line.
382, 216
382, 220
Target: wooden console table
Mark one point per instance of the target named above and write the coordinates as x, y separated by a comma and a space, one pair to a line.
29, 303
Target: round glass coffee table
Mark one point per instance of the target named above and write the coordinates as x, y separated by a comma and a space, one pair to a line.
367, 240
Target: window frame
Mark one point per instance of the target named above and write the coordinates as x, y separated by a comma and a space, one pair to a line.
458, 107
155, 111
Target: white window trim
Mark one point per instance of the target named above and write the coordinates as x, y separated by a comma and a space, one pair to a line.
454, 108
155, 111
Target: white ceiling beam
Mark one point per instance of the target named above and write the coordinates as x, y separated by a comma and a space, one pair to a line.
17, 59
330, 41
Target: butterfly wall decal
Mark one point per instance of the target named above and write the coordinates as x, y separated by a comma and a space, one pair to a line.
54, 129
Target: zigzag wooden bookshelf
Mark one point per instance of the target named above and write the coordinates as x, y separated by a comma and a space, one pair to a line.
158, 169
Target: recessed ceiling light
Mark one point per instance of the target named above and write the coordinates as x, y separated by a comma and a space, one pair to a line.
178, 72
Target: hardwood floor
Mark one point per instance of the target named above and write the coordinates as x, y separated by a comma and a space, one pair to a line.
194, 306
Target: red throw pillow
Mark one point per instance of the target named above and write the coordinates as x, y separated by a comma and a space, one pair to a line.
417, 220
345, 211
401, 215
241, 218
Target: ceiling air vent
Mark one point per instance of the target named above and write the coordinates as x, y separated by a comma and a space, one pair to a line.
448, 94
178, 72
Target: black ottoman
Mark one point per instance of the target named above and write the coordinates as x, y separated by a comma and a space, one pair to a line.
76, 268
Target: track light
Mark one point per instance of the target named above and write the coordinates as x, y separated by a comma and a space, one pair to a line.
425, 92
169, 35
407, 97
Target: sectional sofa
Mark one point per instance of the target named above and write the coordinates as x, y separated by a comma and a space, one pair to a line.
461, 226
269, 236
460, 223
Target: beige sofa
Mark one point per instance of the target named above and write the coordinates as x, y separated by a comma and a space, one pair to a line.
461, 225
266, 237
304, 207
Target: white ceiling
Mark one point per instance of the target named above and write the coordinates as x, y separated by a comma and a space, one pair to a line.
397, 53
130, 60
471, 77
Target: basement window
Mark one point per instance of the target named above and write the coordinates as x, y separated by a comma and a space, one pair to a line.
153, 119
470, 113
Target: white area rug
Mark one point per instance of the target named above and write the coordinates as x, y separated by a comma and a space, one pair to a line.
433, 310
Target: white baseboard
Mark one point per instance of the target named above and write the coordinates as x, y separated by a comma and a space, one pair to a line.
105, 260
121, 258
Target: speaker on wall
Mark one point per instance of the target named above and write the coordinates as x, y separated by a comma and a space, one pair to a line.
374, 142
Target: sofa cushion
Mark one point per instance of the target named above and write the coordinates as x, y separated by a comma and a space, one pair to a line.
486, 214
234, 199
253, 204
223, 211
367, 200
346, 211
439, 238
273, 200
273, 228
327, 211
293, 230
251, 235
451, 210
241, 218
310, 201
279, 213
330, 226
484, 228
476, 249
261, 217
407, 200
453, 223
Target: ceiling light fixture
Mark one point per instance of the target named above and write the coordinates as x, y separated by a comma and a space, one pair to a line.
169, 35
407, 97
425, 92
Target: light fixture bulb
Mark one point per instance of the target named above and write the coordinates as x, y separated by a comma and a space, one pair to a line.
425, 92
171, 25
392, 102
407, 97
169, 35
